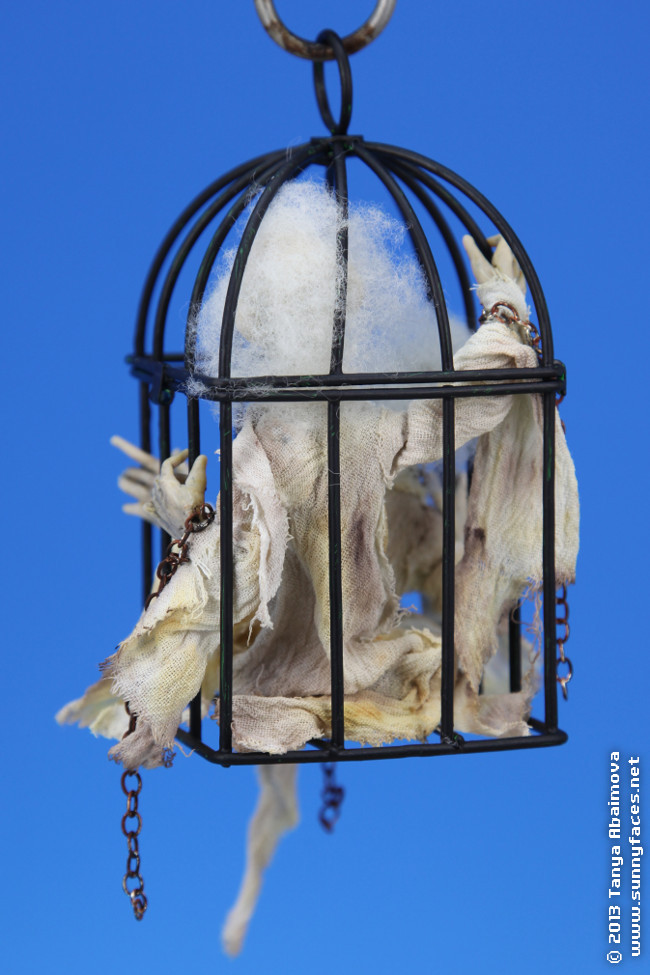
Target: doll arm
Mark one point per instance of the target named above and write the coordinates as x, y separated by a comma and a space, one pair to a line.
496, 345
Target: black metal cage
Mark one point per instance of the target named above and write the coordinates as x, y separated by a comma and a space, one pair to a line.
413, 181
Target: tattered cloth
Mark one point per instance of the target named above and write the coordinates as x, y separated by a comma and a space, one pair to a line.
390, 544
281, 604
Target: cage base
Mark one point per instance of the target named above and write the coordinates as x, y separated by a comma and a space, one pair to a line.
324, 751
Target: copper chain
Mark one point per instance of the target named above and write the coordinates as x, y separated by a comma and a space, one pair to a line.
177, 553
497, 311
199, 518
563, 620
530, 327
332, 796
131, 830
562, 604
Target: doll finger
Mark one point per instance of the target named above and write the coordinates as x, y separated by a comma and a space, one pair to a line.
136, 453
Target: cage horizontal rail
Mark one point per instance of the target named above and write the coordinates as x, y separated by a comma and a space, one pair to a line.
323, 752
264, 388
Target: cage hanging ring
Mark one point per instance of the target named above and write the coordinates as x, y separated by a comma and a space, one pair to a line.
345, 75
316, 51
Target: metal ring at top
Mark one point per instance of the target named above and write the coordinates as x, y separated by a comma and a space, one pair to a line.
345, 75
321, 52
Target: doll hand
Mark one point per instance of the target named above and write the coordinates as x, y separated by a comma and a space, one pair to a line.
502, 280
164, 496
138, 481
173, 501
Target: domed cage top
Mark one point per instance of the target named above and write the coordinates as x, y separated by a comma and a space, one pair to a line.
408, 177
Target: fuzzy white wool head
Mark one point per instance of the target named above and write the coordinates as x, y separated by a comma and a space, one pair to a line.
285, 312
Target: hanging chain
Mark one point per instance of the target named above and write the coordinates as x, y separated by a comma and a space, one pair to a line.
177, 553
562, 604
332, 796
131, 831
563, 620
504, 312
199, 518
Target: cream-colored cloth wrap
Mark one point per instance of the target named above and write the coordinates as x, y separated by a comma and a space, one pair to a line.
391, 540
281, 602
281, 678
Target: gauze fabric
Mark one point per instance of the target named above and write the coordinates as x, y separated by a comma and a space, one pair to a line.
276, 813
390, 537
281, 608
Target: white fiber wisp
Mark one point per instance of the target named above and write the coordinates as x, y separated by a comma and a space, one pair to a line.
286, 308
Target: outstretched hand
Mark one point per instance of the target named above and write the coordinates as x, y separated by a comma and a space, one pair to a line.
502, 280
164, 494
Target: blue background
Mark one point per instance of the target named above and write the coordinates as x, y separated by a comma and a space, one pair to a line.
114, 116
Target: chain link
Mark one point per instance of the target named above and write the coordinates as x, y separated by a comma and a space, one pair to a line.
131, 831
177, 550
563, 620
332, 796
504, 312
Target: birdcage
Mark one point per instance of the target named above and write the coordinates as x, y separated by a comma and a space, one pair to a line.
423, 192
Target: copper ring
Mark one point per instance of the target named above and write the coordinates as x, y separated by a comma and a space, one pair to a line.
321, 52
125, 786
131, 832
200, 518
136, 890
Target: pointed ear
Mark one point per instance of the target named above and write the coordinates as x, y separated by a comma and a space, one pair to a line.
483, 270
504, 260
